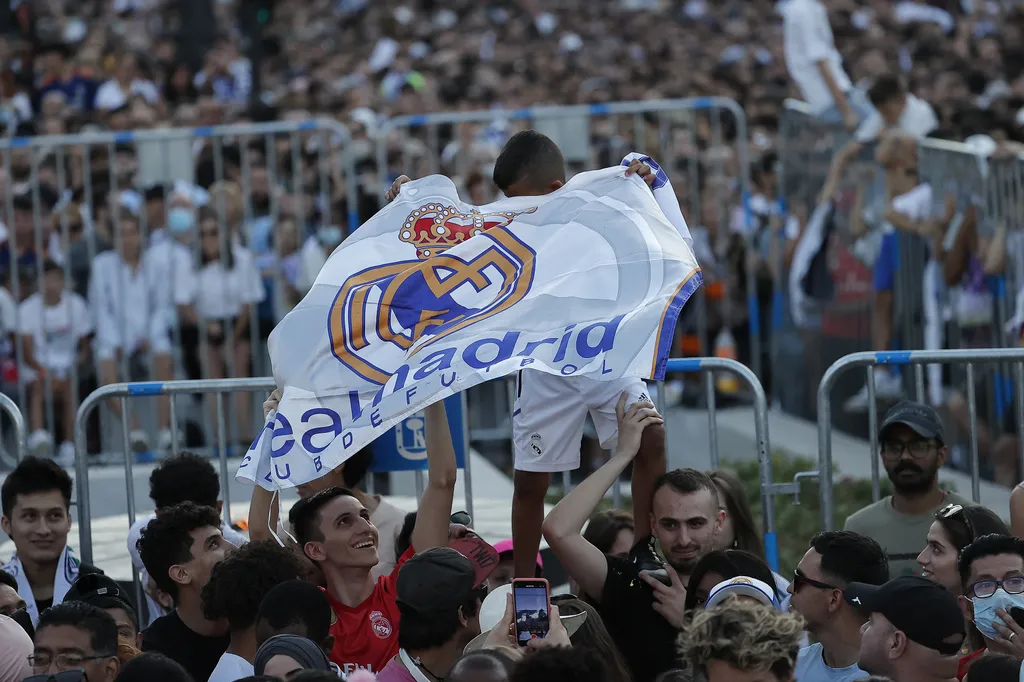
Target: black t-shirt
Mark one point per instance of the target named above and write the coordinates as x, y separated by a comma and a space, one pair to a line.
199, 654
645, 638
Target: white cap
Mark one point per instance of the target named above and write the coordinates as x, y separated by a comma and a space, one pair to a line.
742, 586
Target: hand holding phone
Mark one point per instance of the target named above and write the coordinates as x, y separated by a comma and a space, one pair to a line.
531, 598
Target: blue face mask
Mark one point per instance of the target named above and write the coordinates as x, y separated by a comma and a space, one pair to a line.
331, 236
180, 220
985, 611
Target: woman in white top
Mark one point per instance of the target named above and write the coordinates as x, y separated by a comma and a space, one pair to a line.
55, 325
215, 295
131, 320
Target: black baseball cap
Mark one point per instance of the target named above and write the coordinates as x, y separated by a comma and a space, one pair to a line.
100, 591
437, 580
921, 418
924, 610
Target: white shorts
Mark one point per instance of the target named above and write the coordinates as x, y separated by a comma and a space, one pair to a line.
550, 411
107, 348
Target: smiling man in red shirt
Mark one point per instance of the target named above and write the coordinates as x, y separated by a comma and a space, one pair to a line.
334, 530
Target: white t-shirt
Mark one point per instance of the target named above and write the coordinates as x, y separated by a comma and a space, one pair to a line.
216, 292
111, 96
8, 313
55, 330
915, 204
918, 119
125, 302
807, 39
230, 668
810, 667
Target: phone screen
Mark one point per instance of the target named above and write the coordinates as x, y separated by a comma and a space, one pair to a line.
531, 604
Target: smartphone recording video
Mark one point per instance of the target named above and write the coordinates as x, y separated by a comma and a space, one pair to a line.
532, 603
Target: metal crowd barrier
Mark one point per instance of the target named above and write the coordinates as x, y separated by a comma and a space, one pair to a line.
10, 408
700, 142
122, 392
872, 360
769, 488
82, 188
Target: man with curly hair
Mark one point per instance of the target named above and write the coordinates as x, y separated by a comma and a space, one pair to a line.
740, 640
236, 589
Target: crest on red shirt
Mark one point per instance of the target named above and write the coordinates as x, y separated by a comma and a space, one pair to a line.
381, 625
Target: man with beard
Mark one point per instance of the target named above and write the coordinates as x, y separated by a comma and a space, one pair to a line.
644, 616
913, 448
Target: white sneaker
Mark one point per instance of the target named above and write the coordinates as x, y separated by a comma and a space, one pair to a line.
887, 387
40, 443
66, 455
139, 441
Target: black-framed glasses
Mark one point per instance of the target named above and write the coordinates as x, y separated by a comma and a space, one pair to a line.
64, 660
986, 588
800, 579
918, 449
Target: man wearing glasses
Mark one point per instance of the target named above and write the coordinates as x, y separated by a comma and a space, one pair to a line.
75, 637
992, 574
834, 560
912, 445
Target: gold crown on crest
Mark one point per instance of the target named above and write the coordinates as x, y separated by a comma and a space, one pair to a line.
435, 228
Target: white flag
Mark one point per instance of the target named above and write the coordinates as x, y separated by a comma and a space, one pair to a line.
432, 296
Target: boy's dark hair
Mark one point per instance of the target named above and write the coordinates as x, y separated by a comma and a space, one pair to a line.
986, 545
568, 664
98, 623
529, 157
297, 601
186, 477
166, 540
52, 266
849, 557
729, 563
151, 666
34, 475
885, 89
239, 583
686, 481
305, 514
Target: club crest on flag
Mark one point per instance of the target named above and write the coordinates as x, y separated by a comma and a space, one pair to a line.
435, 295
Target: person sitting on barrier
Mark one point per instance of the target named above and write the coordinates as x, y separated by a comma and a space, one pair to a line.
912, 445
531, 164
131, 324
55, 326
334, 530
180, 548
910, 212
992, 580
236, 589
76, 636
185, 477
914, 630
643, 619
217, 293
738, 531
104, 593
36, 500
386, 518
834, 560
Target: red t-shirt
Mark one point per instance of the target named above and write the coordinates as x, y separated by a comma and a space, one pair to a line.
366, 636
965, 663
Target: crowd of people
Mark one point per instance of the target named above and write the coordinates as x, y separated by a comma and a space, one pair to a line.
921, 586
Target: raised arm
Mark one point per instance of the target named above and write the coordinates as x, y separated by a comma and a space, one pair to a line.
563, 527
264, 504
433, 518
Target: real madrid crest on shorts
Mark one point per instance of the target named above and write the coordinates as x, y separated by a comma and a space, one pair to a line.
536, 445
